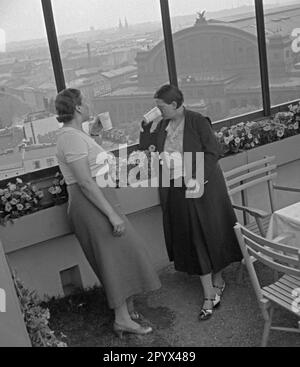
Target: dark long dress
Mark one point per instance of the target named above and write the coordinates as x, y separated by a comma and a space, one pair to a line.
198, 232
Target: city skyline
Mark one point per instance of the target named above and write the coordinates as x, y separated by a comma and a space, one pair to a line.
100, 14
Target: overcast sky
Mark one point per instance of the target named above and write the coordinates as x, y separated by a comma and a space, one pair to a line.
22, 19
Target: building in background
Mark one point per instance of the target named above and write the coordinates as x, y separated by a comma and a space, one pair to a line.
218, 66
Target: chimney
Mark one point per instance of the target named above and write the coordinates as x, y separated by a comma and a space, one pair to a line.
88, 46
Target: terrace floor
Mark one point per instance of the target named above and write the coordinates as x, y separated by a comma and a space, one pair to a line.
172, 312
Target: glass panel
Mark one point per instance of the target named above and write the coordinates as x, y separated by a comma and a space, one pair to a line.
27, 89
283, 48
113, 52
217, 59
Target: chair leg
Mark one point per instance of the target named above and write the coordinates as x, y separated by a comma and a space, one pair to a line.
240, 274
267, 327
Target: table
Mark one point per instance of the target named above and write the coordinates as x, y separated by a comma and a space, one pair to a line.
286, 220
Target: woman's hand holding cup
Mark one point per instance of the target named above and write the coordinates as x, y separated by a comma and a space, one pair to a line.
153, 115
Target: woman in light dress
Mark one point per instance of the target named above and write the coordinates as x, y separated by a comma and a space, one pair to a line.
116, 253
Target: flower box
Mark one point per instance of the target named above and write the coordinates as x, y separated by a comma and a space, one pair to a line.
34, 228
233, 161
285, 150
133, 199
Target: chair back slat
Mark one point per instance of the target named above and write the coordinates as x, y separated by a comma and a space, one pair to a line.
274, 265
255, 182
265, 251
251, 174
249, 166
290, 250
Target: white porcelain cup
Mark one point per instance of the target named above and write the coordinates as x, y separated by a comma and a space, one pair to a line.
105, 121
152, 115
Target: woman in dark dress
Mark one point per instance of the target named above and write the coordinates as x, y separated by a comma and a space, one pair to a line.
198, 229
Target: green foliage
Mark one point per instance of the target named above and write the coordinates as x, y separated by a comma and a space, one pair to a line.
58, 190
36, 318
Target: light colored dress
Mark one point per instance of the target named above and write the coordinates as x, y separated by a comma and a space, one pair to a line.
122, 264
174, 146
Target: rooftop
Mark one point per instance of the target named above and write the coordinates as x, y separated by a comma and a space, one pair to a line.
120, 71
282, 19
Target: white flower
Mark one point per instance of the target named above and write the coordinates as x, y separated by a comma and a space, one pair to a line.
250, 136
280, 133
152, 148
14, 202
12, 187
52, 190
19, 180
226, 140
237, 140
34, 188
8, 207
220, 134
267, 128
20, 207
296, 125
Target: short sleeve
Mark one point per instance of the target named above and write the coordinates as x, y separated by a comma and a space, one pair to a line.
74, 147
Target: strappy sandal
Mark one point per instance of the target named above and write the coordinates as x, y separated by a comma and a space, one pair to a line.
221, 289
206, 313
134, 315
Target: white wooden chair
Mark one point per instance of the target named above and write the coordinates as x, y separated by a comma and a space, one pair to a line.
240, 179
248, 176
285, 292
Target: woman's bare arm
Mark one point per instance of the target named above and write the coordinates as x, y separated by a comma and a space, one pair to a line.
90, 189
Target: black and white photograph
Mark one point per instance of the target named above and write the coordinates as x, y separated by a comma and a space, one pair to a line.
149, 176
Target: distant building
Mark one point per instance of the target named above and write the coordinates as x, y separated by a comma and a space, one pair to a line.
218, 64
118, 76
126, 26
120, 25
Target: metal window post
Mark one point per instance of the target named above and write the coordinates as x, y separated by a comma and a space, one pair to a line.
168, 38
53, 45
263, 59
